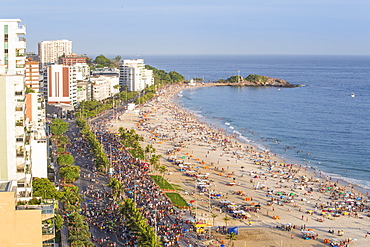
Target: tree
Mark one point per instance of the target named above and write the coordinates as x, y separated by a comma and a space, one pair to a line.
162, 169
58, 127
154, 161
213, 217
176, 77
116, 187
69, 173
117, 58
226, 219
42, 187
65, 159
235, 78
59, 222
232, 237
71, 199
29, 90
102, 61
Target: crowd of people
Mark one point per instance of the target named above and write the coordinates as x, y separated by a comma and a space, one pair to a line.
103, 212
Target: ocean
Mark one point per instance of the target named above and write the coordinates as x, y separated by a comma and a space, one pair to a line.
319, 124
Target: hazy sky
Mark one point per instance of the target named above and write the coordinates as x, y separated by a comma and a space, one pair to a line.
197, 26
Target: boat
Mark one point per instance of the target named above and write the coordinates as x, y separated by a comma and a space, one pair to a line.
352, 95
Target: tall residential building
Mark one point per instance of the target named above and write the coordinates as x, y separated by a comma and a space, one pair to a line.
32, 75
50, 51
59, 85
18, 133
134, 75
13, 45
14, 163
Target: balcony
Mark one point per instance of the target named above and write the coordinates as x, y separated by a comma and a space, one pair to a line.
19, 139
19, 123
20, 30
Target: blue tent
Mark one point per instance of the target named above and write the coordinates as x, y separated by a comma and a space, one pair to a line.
234, 230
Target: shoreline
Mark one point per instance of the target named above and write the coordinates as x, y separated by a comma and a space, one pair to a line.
313, 169
164, 124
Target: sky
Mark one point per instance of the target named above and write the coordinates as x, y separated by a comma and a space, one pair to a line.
166, 27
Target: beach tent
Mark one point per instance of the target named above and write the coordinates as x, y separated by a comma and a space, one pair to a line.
233, 230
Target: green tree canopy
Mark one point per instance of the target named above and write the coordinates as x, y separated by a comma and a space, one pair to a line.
58, 127
235, 78
65, 159
176, 77
102, 60
42, 187
69, 173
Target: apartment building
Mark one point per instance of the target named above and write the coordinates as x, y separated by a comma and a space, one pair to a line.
59, 84
104, 87
134, 75
32, 75
24, 225
14, 162
72, 59
50, 51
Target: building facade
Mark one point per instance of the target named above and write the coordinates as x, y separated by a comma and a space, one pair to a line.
22, 117
24, 225
50, 51
32, 75
104, 87
60, 85
134, 75
72, 59
14, 164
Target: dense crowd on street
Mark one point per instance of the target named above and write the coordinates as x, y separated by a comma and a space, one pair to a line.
102, 212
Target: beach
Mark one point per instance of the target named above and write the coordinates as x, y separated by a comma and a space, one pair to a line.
221, 176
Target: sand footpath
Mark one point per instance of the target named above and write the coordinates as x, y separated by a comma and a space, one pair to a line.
257, 190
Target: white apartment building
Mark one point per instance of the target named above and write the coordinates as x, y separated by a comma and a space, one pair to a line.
134, 75
50, 51
14, 158
104, 87
82, 71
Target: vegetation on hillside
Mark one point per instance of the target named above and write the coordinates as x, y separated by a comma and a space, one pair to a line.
256, 78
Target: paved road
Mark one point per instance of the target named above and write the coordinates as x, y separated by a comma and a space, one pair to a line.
95, 184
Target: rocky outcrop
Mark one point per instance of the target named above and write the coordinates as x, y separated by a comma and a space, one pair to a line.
256, 81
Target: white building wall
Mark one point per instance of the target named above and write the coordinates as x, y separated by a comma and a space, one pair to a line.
39, 157
50, 51
134, 75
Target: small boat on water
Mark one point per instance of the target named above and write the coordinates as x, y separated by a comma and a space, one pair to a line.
352, 95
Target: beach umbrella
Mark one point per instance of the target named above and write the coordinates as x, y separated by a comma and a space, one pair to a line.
183, 157
291, 194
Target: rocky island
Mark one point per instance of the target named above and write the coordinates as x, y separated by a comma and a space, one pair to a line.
254, 81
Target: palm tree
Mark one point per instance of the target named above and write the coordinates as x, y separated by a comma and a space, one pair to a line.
232, 237
226, 219
71, 199
214, 216
116, 187
154, 161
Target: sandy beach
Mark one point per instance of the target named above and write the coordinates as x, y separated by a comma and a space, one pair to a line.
258, 191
